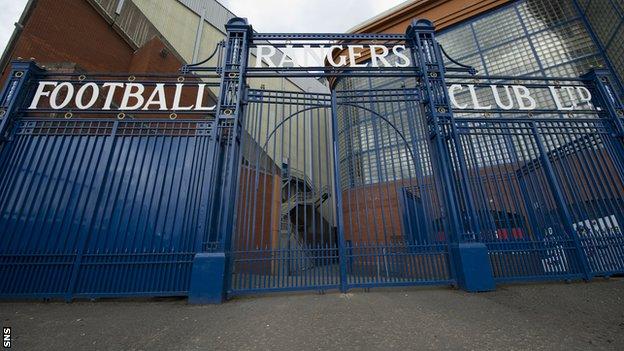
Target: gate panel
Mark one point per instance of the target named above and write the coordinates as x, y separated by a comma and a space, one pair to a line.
143, 236
47, 182
101, 208
285, 236
521, 219
584, 157
394, 223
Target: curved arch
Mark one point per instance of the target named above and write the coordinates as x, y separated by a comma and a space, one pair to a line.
286, 119
407, 144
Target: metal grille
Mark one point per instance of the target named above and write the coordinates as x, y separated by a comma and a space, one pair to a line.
393, 220
285, 235
516, 167
530, 37
100, 208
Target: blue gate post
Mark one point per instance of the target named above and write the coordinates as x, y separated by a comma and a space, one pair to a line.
469, 260
605, 97
14, 92
342, 252
211, 270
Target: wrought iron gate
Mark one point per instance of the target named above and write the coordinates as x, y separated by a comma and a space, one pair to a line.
383, 181
285, 236
98, 205
392, 218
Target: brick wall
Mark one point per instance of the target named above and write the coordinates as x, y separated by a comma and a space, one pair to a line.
70, 31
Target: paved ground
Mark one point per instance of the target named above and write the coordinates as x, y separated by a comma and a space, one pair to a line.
576, 316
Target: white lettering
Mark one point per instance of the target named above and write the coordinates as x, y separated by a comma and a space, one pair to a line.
66, 100
330, 56
157, 98
261, 55
499, 101
41, 93
286, 58
137, 94
111, 93
585, 96
475, 100
317, 60
353, 56
523, 95
200, 99
95, 93
557, 99
176, 99
451, 91
376, 57
398, 51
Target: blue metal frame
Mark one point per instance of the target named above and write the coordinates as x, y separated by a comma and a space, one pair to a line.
513, 208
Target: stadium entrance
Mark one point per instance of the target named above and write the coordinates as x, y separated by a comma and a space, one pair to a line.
412, 170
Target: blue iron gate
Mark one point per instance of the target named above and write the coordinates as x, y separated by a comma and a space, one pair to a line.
289, 218
403, 175
96, 207
285, 235
84, 214
392, 223
547, 187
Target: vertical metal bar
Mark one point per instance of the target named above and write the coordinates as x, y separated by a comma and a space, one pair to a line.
225, 140
337, 192
108, 153
562, 207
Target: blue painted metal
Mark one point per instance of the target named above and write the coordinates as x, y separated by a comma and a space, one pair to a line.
207, 278
14, 92
379, 183
285, 234
83, 214
474, 272
560, 201
438, 112
342, 246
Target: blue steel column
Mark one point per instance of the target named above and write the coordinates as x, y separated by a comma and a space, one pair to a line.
342, 252
14, 92
211, 270
470, 261
605, 97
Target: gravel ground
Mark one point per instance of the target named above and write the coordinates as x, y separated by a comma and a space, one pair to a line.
577, 316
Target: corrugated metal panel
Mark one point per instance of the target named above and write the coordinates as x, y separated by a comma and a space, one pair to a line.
130, 20
135, 24
216, 14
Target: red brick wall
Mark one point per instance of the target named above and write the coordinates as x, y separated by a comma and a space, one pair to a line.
257, 222
73, 31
